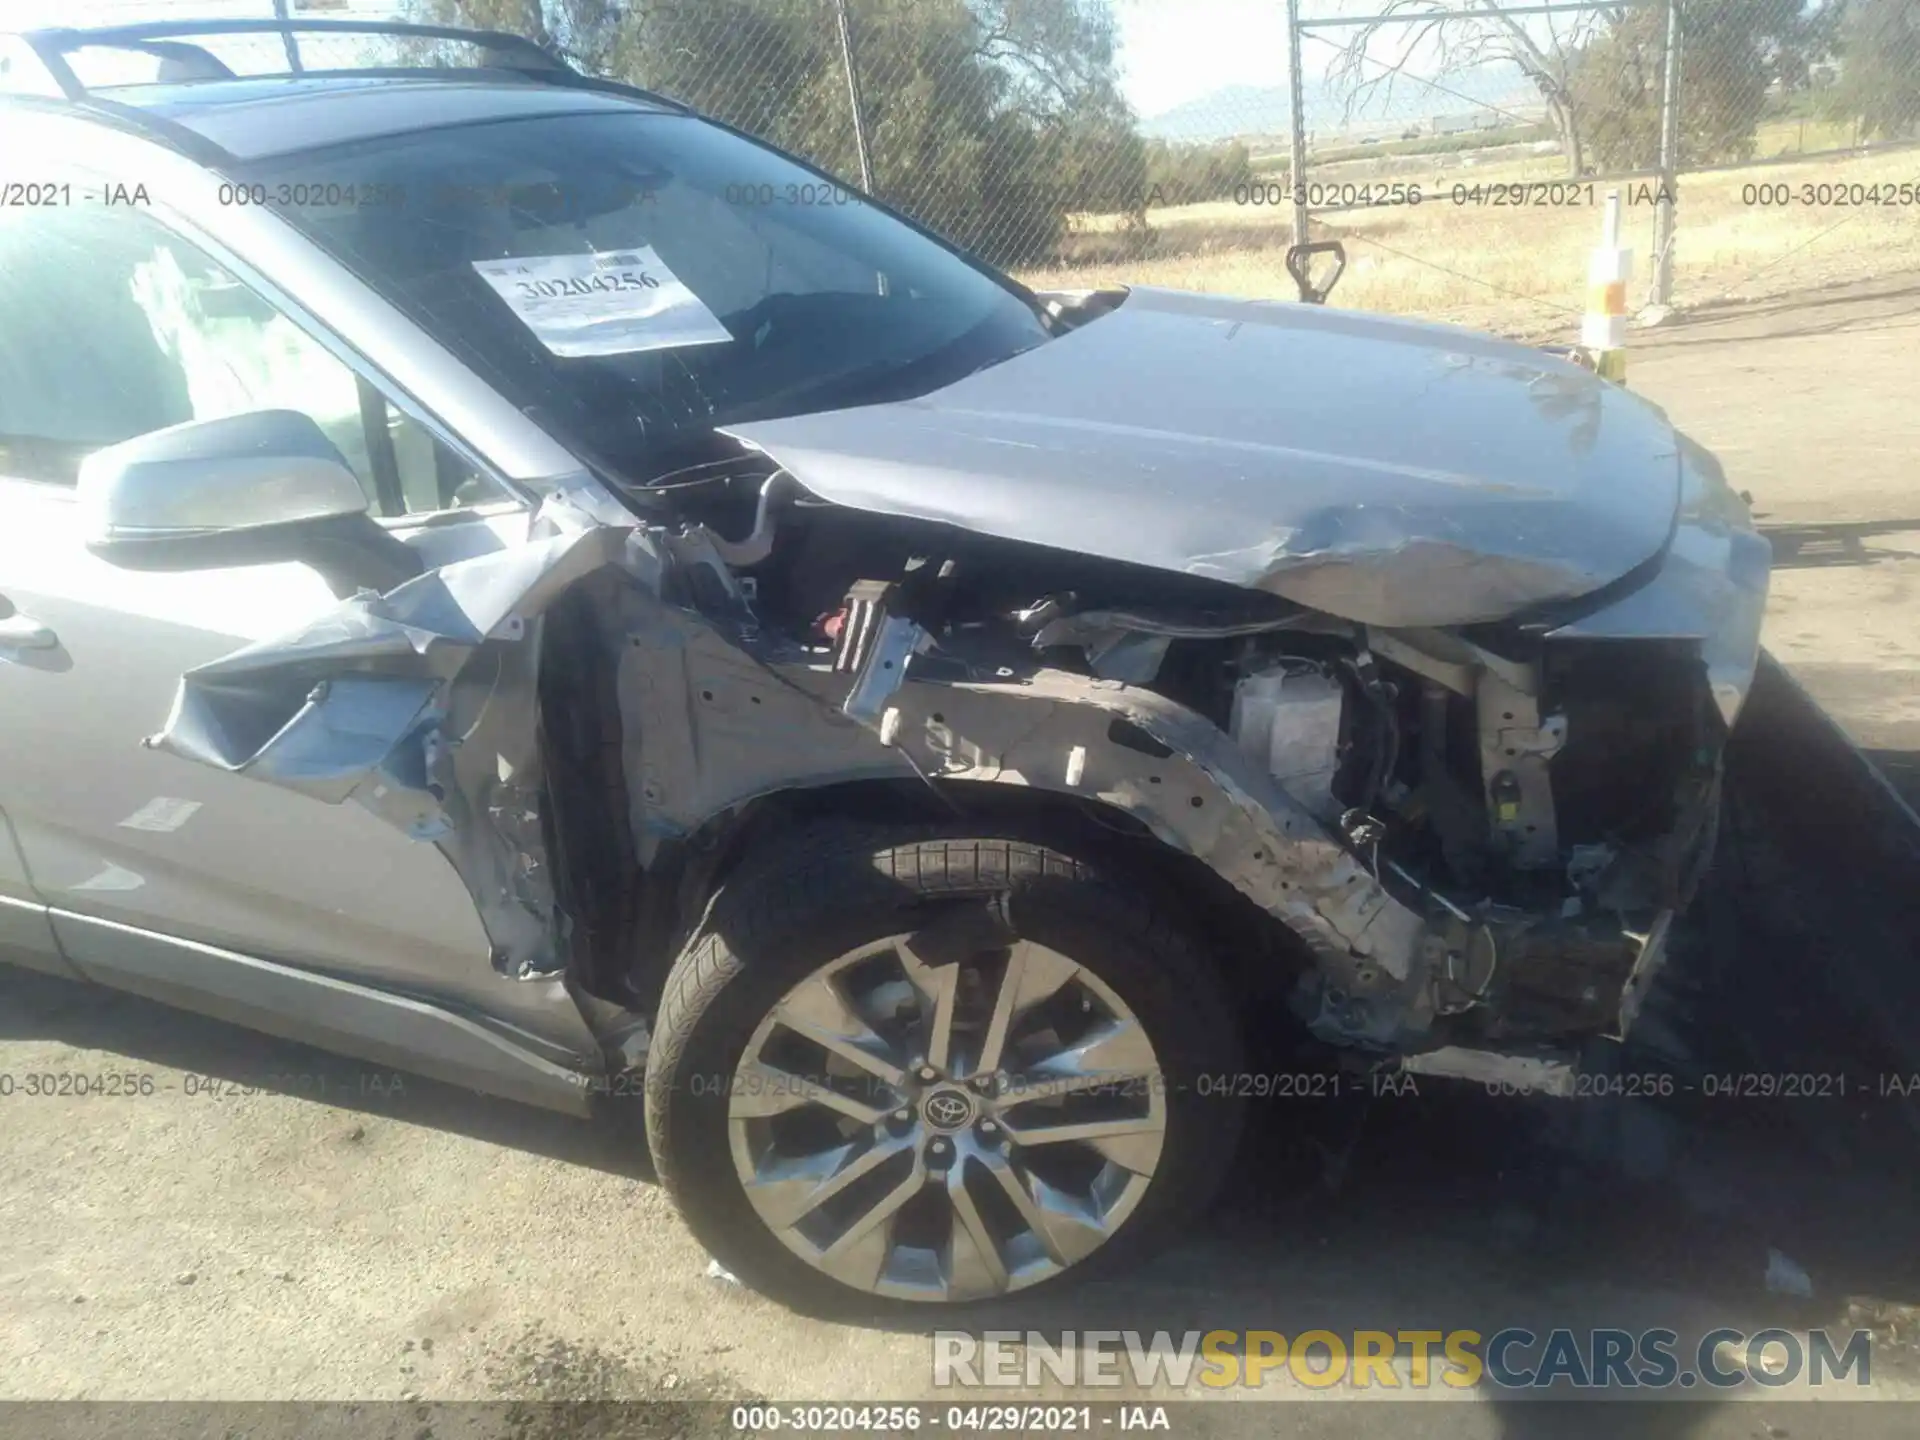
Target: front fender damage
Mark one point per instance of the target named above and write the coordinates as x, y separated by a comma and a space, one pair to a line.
1394, 962
1182, 778
418, 704
699, 709
424, 706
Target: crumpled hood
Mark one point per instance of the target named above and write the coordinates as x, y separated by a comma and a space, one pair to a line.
1382, 470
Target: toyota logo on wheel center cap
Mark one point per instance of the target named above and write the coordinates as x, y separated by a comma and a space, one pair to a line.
948, 1109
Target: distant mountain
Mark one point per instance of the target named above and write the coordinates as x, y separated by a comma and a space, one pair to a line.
1224, 113
1236, 110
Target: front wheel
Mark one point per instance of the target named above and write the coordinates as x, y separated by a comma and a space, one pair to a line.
936, 1071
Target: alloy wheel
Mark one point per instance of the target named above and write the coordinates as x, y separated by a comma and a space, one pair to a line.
929, 1122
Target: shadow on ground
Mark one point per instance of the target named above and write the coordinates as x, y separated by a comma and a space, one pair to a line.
1821, 310
1816, 546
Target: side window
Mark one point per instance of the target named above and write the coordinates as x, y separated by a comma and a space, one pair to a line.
111, 326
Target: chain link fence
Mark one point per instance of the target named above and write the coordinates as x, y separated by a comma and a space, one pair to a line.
1758, 147
1462, 151
1000, 123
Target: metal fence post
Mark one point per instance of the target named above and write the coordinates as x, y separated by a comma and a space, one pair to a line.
853, 95
1296, 96
287, 42
1665, 219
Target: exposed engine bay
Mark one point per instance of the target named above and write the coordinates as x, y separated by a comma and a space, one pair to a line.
1429, 732
1536, 809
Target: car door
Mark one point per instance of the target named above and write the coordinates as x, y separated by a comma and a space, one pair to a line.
26, 932
154, 870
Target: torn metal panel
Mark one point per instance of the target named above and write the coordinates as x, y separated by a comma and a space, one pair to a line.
699, 708
709, 725
1203, 798
419, 704
1375, 469
314, 710
1392, 963
1054, 730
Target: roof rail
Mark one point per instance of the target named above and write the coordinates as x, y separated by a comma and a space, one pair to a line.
194, 62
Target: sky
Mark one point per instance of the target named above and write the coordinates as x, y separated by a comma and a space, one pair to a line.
1172, 51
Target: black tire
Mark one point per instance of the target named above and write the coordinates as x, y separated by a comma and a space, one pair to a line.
782, 918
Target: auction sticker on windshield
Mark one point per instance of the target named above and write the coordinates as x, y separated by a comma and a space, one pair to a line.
613, 303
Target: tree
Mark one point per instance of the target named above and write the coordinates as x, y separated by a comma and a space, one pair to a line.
990, 120
1813, 39
1731, 51
1464, 34
1183, 173
585, 32
1880, 67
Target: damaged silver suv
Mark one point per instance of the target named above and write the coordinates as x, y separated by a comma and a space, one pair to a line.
505, 576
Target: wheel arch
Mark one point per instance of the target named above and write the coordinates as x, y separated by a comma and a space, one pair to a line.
1259, 956
699, 711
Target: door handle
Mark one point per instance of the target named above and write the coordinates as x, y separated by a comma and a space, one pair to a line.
23, 632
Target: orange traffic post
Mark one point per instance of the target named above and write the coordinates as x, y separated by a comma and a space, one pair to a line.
1603, 332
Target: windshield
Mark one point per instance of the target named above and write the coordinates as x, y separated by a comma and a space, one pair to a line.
635, 279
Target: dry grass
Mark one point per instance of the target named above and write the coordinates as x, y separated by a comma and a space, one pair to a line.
1523, 270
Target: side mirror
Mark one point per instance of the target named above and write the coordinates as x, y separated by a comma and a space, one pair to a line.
253, 489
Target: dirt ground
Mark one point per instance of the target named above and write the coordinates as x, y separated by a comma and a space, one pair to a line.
1813, 405
336, 1232
1467, 254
